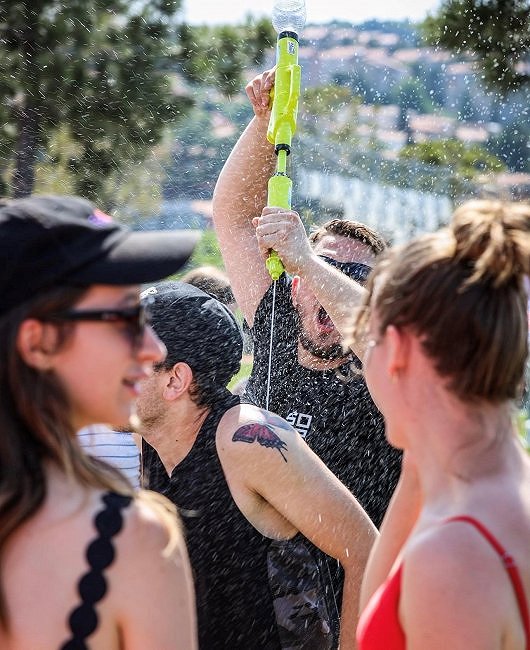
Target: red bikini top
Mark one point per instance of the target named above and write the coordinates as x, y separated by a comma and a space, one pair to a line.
379, 627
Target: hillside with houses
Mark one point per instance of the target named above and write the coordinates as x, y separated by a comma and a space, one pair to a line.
431, 92
371, 93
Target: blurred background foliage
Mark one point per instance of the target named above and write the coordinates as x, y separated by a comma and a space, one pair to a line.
87, 85
496, 31
124, 103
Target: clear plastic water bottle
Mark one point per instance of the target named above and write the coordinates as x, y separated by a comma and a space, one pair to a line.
288, 16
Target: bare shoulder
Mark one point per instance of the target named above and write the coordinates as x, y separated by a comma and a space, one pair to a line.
451, 570
263, 451
151, 526
447, 554
153, 566
455, 543
152, 542
243, 414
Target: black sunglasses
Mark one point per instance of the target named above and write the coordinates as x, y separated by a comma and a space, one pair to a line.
135, 320
355, 270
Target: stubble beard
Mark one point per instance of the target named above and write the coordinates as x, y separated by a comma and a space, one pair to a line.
328, 353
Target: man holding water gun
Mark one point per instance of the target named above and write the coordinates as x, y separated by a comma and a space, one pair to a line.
314, 383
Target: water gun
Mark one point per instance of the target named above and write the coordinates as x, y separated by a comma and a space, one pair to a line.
288, 18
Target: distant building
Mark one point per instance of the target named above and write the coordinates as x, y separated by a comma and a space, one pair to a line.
431, 127
507, 185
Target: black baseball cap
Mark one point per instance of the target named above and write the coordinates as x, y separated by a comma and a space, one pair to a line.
49, 241
196, 328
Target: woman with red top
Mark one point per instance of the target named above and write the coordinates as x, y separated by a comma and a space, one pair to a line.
446, 331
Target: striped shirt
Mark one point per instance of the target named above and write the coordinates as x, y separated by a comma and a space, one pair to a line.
114, 447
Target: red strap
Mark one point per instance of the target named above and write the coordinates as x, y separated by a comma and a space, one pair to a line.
510, 566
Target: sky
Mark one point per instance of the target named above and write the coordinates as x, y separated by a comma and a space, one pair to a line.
213, 12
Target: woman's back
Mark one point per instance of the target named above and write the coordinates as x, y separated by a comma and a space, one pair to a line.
45, 558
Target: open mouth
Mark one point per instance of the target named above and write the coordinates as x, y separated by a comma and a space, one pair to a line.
324, 321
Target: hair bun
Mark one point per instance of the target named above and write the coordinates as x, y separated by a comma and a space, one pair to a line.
494, 236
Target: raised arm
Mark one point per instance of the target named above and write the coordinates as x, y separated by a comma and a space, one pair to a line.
309, 498
240, 194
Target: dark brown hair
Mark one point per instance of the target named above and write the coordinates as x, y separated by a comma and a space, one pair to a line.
352, 230
461, 290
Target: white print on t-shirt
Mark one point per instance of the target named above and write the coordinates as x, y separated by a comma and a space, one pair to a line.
301, 422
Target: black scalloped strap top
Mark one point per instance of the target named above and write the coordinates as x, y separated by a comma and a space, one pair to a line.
92, 586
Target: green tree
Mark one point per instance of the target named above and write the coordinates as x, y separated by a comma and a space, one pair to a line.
331, 108
512, 146
321, 100
496, 31
218, 55
465, 161
92, 65
101, 72
467, 110
191, 56
259, 39
468, 160
411, 94
229, 57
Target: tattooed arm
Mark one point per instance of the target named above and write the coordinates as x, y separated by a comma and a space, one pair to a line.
282, 487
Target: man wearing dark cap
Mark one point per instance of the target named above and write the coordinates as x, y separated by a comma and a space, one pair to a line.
250, 491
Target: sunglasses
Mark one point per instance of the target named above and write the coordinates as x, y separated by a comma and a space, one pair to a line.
135, 319
354, 270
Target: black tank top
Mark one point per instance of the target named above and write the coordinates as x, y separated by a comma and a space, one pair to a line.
252, 593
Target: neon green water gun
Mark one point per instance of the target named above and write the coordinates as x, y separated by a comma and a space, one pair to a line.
288, 18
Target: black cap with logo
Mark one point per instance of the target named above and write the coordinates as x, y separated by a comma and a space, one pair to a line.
49, 241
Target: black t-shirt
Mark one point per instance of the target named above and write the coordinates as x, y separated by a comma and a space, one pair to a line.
331, 409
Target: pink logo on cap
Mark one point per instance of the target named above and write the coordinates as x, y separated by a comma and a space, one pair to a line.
99, 218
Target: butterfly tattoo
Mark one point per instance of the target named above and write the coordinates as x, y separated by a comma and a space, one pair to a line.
263, 434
